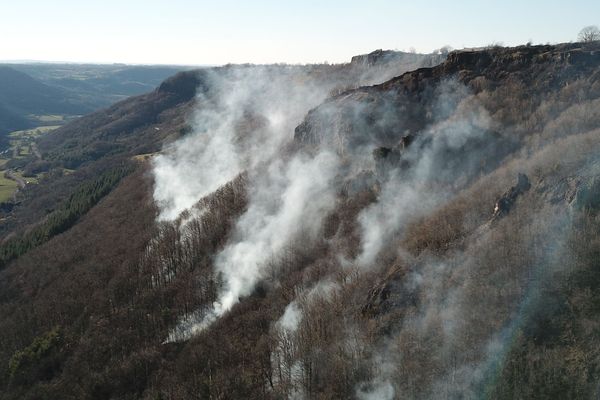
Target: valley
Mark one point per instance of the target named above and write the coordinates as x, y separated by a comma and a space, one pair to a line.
23, 150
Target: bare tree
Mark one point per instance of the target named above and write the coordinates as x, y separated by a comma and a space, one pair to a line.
589, 34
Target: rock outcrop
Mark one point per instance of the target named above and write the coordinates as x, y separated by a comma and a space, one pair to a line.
505, 203
407, 103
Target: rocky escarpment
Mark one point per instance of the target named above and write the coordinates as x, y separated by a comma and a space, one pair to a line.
405, 105
385, 58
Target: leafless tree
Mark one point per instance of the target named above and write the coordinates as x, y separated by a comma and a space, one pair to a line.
589, 34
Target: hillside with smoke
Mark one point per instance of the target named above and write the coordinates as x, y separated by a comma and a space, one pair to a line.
424, 150
398, 227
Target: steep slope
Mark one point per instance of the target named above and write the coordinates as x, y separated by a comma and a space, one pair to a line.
11, 121
22, 96
541, 68
95, 143
135, 126
440, 241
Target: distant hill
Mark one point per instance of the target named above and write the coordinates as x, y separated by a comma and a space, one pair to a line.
31, 91
11, 121
23, 97
23, 94
97, 85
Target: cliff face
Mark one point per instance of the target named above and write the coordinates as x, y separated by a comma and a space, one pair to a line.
382, 65
404, 105
381, 57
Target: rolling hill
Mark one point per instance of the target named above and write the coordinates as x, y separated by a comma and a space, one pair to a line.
30, 94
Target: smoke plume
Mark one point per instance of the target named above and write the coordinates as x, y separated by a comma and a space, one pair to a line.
244, 123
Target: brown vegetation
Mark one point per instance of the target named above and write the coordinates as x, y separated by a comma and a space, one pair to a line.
454, 306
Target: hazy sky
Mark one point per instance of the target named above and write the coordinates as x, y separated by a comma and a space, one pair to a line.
264, 31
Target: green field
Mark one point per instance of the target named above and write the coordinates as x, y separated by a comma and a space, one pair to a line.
21, 143
144, 157
7, 188
48, 118
33, 133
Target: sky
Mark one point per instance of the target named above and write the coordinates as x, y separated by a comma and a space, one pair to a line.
267, 31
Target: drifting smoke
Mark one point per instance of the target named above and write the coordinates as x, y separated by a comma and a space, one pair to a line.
291, 317
449, 328
242, 120
432, 174
290, 371
244, 124
271, 101
376, 391
475, 319
289, 200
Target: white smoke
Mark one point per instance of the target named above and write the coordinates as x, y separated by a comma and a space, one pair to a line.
242, 120
291, 199
376, 391
276, 98
286, 199
291, 317
408, 193
244, 123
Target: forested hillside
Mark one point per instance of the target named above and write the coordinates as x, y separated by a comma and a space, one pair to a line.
40, 94
398, 227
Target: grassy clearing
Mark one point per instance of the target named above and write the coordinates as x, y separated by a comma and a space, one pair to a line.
21, 143
7, 188
48, 118
143, 157
28, 179
24, 151
32, 133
